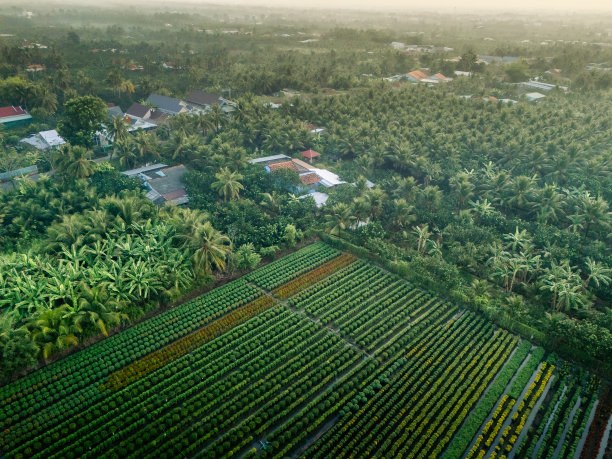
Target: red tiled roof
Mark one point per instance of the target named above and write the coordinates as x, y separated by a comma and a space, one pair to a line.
11, 111
310, 178
283, 165
439, 75
418, 74
310, 154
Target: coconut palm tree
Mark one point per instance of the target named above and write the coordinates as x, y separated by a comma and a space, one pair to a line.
518, 241
126, 152
145, 145
211, 249
75, 162
127, 87
599, 273
118, 129
228, 184
338, 219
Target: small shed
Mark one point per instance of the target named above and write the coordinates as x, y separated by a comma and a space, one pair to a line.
310, 155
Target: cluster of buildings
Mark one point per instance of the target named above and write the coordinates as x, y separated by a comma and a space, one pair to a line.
420, 76
312, 178
157, 109
419, 49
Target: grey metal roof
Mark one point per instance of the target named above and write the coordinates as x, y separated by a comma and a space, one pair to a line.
202, 98
114, 111
137, 110
171, 181
167, 104
144, 169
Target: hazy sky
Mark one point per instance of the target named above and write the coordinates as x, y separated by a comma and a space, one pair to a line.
578, 5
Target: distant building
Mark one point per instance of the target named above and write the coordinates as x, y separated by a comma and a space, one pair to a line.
139, 111
6, 178
204, 100
416, 76
44, 140
310, 176
310, 155
498, 59
490, 99
113, 110
534, 96
35, 68
319, 198
169, 105
541, 86
14, 116
164, 184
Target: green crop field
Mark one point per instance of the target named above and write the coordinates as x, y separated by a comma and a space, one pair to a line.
317, 354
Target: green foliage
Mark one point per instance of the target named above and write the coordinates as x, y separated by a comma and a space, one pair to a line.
83, 116
245, 258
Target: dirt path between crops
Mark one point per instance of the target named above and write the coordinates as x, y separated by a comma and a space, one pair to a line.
544, 432
257, 444
604, 441
492, 412
585, 433
566, 429
483, 395
516, 406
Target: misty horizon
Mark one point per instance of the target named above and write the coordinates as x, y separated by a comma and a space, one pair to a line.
442, 6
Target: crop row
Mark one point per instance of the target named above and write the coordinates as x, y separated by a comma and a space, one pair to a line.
407, 406
388, 398
312, 276
489, 437
79, 374
292, 266
519, 418
182, 346
216, 358
353, 390
471, 425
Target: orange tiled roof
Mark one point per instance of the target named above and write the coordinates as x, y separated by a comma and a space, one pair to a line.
310, 154
284, 165
310, 178
418, 74
439, 75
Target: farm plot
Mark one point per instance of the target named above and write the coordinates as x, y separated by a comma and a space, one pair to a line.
317, 354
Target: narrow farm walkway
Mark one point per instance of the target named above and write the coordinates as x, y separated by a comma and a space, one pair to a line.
604, 440
259, 442
585, 434
544, 432
567, 426
488, 418
484, 394
516, 406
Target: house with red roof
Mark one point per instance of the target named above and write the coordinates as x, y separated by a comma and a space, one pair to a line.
35, 68
416, 76
12, 116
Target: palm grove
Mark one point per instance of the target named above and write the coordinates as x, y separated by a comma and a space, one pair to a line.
503, 208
